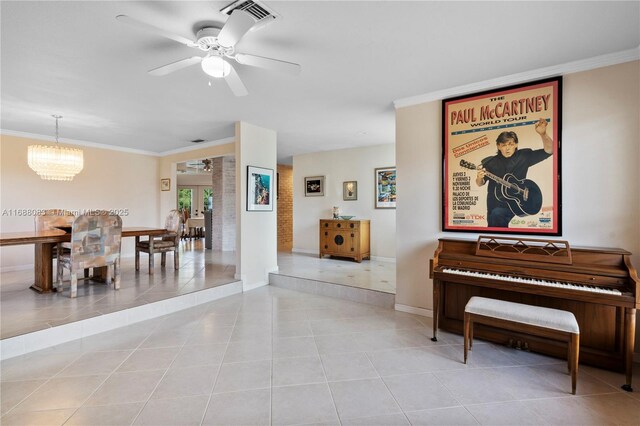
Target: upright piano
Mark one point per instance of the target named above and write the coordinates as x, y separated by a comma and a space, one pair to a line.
599, 286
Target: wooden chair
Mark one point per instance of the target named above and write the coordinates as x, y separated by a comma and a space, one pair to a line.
162, 244
184, 218
55, 219
95, 243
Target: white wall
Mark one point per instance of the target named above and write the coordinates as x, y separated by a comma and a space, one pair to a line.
256, 232
600, 174
337, 167
110, 180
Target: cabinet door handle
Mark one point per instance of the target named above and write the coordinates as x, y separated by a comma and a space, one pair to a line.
352, 235
351, 225
326, 233
339, 225
326, 246
352, 249
326, 225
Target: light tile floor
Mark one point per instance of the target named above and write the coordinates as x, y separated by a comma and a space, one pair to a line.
23, 311
370, 274
276, 356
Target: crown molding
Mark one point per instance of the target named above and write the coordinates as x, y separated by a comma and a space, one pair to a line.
48, 138
567, 68
201, 145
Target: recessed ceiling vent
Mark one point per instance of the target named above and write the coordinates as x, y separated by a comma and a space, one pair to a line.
197, 140
262, 13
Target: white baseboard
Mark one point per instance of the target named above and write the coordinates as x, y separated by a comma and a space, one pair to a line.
413, 310
384, 259
316, 252
42, 339
249, 287
16, 268
32, 266
305, 251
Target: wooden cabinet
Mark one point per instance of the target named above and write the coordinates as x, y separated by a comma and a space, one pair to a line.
345, 238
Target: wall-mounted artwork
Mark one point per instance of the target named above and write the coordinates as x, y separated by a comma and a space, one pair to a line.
385, 188
502, 160
350, 190
165, 184
259, 189
314, 186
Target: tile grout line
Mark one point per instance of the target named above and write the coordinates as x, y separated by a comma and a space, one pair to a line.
110, 374
366, 354
324, 372
271, 375
163, 375
80, 355
215, 382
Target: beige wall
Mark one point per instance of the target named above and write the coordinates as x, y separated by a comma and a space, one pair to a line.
168, 199
337, 167
600, 173
110, 180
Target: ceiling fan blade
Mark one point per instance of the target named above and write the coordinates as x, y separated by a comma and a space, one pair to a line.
268, 63
236, 26
150, 28
235, 84
175, 66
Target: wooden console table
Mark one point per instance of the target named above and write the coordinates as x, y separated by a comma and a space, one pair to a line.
345, 238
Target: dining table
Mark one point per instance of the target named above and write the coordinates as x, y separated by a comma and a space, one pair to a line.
195, 222
44, 242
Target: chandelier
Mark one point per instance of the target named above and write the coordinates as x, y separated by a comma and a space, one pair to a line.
55, 162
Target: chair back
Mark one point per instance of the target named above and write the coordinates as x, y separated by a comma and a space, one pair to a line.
172, 222
53, 218
95, 240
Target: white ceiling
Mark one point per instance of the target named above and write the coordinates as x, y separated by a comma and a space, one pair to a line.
74, 59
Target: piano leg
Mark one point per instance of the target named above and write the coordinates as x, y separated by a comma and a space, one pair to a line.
436, 306
630, 330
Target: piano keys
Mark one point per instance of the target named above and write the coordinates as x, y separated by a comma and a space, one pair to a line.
600, 287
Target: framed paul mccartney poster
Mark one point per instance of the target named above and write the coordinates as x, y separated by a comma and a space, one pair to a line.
501, 160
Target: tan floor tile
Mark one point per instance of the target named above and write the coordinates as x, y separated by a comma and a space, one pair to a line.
170, 412
304, 404
38, 418
252, 407
58, 393
105, 415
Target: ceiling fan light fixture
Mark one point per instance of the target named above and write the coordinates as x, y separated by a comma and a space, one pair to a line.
216, 66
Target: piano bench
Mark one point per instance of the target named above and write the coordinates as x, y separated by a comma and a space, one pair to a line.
544, 322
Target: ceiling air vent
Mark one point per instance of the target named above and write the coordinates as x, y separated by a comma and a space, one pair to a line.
262, 13
197, 140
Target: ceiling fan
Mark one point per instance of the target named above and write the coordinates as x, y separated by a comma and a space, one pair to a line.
219, 46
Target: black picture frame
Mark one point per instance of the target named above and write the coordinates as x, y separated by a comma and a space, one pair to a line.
471, 127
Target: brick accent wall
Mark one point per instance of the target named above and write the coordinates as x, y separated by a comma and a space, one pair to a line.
285, 208
224, 203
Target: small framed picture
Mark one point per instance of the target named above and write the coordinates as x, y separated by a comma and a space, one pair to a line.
314, 186
386, 188
350, 190
259, 189
165, 184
